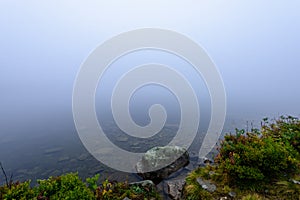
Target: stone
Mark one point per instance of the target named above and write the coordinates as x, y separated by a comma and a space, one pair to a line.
160, 162
206, 185
145, 184
175, 188
295, 182
205, 161
266, 191
223, 198
232, 194
211, 173
126, 198
190, 167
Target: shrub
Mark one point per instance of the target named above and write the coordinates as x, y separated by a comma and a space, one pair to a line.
264, 161
252, 158
284, 129
20, 191
67, 186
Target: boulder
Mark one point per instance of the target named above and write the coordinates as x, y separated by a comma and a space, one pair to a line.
159, 162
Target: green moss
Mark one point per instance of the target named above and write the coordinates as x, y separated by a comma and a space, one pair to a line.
192, 190
252, 197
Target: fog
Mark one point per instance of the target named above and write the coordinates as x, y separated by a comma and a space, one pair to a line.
255, 46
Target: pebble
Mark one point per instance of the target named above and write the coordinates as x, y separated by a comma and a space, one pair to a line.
232, 194
206, 185
296, 182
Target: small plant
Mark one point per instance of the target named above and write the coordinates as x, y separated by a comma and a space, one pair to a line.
20, 191
92, 182
105, 191
109, 190
67, 186
137, 189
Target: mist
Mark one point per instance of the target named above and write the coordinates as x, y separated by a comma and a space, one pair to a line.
255, 47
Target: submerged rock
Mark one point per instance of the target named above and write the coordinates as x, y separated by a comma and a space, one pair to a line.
53, 150
83, 157
159, 162
63, 158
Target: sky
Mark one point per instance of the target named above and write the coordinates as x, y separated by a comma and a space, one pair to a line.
254, 44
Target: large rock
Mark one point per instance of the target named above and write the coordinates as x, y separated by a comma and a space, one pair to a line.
174, 188
159, 162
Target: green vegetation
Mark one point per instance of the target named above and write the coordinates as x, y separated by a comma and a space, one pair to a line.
70, 186
255, 165
260, 164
